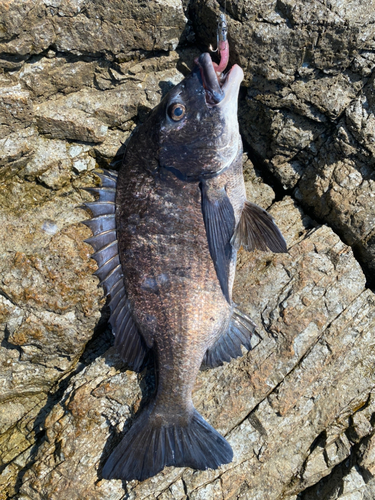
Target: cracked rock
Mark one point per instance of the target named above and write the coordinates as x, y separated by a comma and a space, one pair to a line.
298, 410
309, 109
16, 109
61, 122
93, 28
270, 403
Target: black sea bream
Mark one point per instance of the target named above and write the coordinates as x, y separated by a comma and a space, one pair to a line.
166, 233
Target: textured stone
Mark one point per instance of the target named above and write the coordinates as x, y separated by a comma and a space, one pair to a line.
257, 191
86, 115
47, 314
118, 105
61, 122
317, 311
45, 77
16, 149
89, 27
16, 109
308, 112
299, 409
112, 149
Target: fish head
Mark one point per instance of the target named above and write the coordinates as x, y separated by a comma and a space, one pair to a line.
199, 134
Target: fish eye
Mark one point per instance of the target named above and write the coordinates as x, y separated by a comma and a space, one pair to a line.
176, 111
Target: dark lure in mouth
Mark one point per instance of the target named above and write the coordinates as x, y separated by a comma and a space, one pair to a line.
212, 74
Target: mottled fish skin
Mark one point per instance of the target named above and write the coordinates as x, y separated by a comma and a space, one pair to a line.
180, 197
170, 279
169, 275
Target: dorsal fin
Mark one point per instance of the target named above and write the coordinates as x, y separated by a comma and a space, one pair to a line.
128, 340
257, 229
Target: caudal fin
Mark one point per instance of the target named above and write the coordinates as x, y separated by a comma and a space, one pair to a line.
152, 444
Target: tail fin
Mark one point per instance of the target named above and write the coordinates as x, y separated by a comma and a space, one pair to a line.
152, 444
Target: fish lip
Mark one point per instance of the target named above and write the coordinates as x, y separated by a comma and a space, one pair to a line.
214, 93
232, 83
218, 86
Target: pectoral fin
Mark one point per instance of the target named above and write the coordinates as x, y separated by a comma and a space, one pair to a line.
220, 222
257, 229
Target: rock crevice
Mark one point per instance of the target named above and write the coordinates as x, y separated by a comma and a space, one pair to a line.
76, 78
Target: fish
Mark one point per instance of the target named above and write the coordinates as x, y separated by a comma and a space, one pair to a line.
166, 231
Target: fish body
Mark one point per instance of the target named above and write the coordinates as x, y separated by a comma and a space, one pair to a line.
166, 233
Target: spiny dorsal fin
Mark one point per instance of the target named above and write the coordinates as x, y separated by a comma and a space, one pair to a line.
257, 229
128, 340
219, 220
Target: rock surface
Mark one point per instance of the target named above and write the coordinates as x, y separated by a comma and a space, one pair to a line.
308, 115
299, 409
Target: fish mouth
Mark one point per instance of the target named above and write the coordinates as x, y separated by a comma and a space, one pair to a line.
218, 86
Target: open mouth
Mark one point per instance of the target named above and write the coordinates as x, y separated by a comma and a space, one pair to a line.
217, 84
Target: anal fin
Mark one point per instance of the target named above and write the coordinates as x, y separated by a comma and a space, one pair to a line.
228, 346
128, 340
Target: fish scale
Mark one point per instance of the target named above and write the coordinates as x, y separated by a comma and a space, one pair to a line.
167, 255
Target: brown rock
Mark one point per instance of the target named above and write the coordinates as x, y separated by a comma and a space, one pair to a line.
304, 348
91, 28
61, 122
298, 409
16, 149
50, 76
47, 313
16, 109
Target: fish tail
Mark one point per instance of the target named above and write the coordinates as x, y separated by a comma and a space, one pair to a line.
153, 443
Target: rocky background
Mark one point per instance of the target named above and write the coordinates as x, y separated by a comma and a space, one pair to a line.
76, 77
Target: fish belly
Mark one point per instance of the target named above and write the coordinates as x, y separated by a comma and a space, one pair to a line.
169, 276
